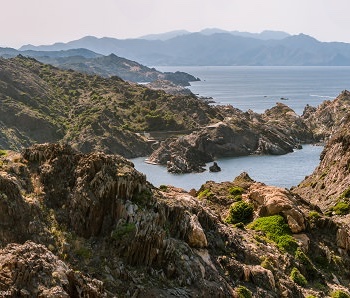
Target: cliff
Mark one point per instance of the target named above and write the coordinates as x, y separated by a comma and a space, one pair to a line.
91, 225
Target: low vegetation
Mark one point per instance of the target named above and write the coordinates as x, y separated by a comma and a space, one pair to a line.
240, 212
339, 294
243, 292
277, 230
236, 193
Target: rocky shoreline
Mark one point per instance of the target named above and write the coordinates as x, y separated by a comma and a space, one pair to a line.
277, 131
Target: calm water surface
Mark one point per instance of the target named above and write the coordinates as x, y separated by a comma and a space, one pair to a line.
283, 170
258, 88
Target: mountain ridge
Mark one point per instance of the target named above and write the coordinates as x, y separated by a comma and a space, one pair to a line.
223, 48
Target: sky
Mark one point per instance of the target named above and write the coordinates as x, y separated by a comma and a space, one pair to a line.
40, 22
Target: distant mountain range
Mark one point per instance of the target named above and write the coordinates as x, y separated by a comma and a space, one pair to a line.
214, 47
265, 35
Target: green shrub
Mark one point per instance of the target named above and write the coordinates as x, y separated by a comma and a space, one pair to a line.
235, 193
243, 292
240, 212
3, 152
204, 194
277, 230
163, 187
297, 277
341, 208
339, 294
235, 190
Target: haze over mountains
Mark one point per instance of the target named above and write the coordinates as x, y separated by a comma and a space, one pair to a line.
214, 47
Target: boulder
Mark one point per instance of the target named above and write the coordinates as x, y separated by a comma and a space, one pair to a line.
270, 200
214, 168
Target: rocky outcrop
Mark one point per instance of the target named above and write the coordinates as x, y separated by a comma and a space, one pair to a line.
90, 186
122, 235
270, 200
330, 181
277, 131
31, 270
326, 119
215, 167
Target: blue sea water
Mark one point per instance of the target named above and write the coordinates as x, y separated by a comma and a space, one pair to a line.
283, 170
258, 88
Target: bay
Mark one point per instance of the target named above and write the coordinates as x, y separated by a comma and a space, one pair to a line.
258, 88
282, 170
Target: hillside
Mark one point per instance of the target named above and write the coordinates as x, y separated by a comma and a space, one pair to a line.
41, 103
89, 62
216, 48
90, 225
329, 184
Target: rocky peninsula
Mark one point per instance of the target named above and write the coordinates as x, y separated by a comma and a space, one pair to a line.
277, 131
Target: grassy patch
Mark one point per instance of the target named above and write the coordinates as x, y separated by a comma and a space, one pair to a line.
240, 212
341, 208
3, 152
204, 194
277, 230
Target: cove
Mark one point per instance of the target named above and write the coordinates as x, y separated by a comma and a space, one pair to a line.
282, 170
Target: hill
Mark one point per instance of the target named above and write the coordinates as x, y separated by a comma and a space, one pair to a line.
41, 103
89, 62
216, 49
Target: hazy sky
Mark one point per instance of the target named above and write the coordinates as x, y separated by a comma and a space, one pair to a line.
48, 21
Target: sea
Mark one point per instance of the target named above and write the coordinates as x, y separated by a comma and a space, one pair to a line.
257, 88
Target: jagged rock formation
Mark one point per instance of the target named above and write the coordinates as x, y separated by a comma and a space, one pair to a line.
277, 131
330, 180
31, 270
100, 216
326, 119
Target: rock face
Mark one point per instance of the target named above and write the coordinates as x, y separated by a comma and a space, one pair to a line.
326, 119
31, 270
276, 132
271, 200
330, 180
